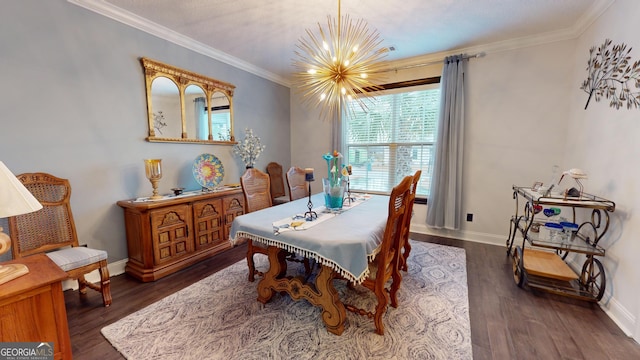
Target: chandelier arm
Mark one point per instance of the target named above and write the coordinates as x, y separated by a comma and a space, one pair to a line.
339, 18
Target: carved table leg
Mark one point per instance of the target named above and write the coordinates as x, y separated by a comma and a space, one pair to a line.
333, 311
277, 268
322, 293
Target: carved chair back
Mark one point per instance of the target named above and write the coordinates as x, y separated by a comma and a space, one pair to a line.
298, 187
256, 188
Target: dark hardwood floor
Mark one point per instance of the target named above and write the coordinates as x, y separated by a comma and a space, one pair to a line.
506, 322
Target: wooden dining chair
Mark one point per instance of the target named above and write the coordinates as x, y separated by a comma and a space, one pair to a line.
276, 176
256, 187
406, 247
52, 230
385, 265
298, 187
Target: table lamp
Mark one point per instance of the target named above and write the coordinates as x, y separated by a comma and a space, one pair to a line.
15, 199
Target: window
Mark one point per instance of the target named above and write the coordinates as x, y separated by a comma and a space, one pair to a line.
393, 138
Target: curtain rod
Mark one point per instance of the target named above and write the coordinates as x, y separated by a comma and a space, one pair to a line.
478, 55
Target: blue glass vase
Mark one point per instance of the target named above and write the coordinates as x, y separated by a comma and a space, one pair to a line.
333, 195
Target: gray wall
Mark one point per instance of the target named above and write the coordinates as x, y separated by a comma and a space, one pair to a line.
73, 104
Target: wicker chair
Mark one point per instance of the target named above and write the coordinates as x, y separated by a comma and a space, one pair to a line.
257, 195
385, 265
52, 230
407, 225
298, 187
278, 195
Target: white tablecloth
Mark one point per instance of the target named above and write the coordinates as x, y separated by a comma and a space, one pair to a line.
345, 242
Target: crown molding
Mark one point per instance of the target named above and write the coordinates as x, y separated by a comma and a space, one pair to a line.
108, 10
573, 32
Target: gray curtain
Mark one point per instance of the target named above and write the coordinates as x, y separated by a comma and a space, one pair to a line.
444, 206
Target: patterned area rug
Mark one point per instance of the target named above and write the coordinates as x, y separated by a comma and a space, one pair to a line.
220, 318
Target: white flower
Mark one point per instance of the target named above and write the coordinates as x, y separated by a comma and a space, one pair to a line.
249, 149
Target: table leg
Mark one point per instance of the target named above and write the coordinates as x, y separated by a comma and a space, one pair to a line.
322, 293
277, 268
333, 311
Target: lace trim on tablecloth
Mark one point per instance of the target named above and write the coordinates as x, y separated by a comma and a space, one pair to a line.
311, 255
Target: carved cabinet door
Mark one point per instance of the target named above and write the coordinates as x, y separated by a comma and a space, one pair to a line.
170, 231
233, 206
208, 218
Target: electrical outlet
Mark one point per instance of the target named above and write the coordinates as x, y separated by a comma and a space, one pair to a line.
469, 217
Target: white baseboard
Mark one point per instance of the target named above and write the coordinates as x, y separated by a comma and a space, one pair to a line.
115, 268
619, 314
460, 235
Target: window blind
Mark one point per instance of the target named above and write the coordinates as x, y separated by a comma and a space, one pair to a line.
392, 138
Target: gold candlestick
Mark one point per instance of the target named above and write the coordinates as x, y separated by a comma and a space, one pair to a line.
153, 170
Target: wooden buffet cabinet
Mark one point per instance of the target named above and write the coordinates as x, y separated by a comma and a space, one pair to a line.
165, 236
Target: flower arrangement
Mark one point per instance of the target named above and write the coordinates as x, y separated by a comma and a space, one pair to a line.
333, 167
249, 149
334, 185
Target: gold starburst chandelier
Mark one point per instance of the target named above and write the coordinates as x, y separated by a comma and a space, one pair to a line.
330, 70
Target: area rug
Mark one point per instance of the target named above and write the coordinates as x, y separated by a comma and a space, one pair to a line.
220, 318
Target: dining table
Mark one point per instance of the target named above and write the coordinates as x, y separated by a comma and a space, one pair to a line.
342, 243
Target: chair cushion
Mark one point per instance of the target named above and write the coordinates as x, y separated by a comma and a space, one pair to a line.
76, 257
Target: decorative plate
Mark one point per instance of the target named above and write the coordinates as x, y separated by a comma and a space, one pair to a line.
208, 171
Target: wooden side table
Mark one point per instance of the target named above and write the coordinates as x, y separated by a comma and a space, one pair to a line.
32, 306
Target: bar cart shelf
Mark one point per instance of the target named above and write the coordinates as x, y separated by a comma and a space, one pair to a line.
539, 262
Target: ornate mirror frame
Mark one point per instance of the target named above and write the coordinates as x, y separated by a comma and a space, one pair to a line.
184, 79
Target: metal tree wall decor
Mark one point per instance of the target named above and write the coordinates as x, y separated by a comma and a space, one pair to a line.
609, 75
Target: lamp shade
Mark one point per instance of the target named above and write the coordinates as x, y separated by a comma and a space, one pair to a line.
15, 199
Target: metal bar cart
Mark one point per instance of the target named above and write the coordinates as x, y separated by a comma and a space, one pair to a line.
539, 261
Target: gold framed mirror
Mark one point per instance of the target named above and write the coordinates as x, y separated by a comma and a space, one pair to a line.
183, 106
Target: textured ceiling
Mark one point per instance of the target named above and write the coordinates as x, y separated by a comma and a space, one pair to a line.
265, 33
